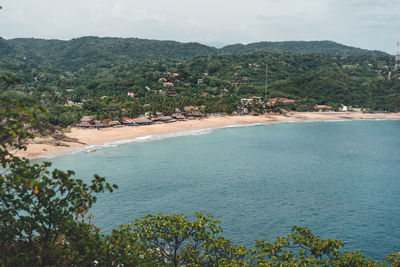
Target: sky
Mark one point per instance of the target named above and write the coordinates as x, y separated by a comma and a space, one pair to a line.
370, 24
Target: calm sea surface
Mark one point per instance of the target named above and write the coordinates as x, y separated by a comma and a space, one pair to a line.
340, 179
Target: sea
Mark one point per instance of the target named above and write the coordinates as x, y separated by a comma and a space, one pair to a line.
340, 179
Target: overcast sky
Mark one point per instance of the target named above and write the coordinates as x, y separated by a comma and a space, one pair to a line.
371, 24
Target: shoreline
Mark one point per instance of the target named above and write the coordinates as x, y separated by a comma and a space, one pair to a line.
93, 137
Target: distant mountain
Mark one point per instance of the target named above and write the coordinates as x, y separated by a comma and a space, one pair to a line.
77, 53
86, 50
9, 49
300, 47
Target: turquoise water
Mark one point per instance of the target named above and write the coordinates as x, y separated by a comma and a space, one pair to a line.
340, 179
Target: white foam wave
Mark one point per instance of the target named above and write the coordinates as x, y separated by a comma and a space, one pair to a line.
242, 125
147, 138
140, 139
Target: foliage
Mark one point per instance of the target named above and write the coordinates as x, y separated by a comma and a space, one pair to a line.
43, 214
300, 47
173, 239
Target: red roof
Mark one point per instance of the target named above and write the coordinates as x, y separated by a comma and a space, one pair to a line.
128, 120
323, 107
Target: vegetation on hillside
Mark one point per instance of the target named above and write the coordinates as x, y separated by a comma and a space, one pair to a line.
92, 76
300, 47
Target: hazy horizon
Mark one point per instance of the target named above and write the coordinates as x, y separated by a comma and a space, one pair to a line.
359, 23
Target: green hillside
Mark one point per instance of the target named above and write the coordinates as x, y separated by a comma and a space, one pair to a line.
300, 47
99, 72
71, 55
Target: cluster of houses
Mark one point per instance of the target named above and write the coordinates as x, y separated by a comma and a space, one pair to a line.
89, 122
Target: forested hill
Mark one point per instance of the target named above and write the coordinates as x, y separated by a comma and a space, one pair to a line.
92, 76
73, 54
76, 53
300, 47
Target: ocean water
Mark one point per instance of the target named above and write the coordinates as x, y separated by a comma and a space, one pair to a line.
339, 179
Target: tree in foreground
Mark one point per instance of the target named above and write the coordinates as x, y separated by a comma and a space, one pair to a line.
43, 214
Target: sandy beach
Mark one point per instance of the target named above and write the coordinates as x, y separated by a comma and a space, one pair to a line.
98, 137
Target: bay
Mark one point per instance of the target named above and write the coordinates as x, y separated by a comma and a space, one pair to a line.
339, 179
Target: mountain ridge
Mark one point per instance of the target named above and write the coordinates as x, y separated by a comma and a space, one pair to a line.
91, 49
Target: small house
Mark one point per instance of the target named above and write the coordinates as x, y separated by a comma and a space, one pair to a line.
164, 119
343, 108
127, 121
321, 108
142, 120
242, 111
168, 84
133, 94
178, 117
195, 114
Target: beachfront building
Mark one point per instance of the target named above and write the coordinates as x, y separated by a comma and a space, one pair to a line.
321, 108
142, 120
99, 124
92, 124
111, 123
250, 100
195, 115
127, 121
86, 122
163, 119
178, 117
242, 111
343, 108
83, 124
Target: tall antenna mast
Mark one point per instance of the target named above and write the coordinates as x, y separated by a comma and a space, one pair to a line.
397, 61
266, 80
